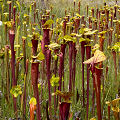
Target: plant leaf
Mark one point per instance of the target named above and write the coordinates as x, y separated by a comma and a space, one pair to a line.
54, 81
64, 95
48, 23
78, 15
18, 6
16, 90
53, 46
69, 38
98, 57
33, 101
40, 56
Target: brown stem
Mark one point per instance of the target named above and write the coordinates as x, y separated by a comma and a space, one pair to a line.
70, 65
74, 5
34, 12
17, 69
10, 12
34, 78
87, 10
24, 53
74, 66
111, 21
48, 62
60, 72
64, 110
32, 108
7, 72
46, 40
83, 54
97, 13
14, 11
88, 51
77, 23
64, 27
34, 47
115, 13
115, 66
108, 112
79, 7
93, 12
47, 114
63, 46
55, 72
6, 41
97, 76
110, 36
14, 82
24, 93
101, 42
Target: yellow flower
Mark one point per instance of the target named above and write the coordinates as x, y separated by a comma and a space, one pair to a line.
93, 118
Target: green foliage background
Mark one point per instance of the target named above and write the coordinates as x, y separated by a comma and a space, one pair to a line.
59, 7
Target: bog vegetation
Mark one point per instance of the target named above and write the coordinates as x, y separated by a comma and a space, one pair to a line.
59, 60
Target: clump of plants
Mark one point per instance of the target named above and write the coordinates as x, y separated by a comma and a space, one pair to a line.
59, 67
